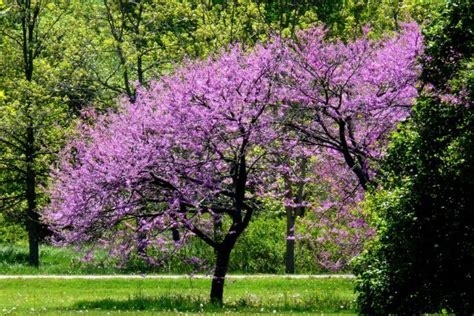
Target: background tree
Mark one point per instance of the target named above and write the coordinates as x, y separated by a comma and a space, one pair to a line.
344, 20
34, 104
135, 41
343, 100
346, 98
423, 258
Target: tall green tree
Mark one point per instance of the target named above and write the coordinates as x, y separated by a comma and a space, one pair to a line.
38, 87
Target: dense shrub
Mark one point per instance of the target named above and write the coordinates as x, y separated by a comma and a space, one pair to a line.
262, 248
423, 258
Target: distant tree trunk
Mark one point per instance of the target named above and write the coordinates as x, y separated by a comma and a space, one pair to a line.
291, 214
142, 239
32, 216
29, 22
290, 229
290, 241
220, 271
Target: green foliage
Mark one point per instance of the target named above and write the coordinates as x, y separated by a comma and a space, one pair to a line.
11, 233
423, 258
449, 44
261, 248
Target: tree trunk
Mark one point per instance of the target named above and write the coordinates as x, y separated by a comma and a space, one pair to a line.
290, 229
32, 216
290, 241
222, 263
292, 213
33, 240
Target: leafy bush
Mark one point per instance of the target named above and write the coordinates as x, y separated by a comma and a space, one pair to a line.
11, 233
423, 258
262, 248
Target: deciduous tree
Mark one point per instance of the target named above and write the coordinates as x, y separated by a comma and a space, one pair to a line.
33, 107
189, 155
344, 99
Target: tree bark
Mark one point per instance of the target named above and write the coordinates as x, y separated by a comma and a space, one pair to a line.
222, 263
32, 216
33, 240
292, 213
353, 165
290, 241
290, 230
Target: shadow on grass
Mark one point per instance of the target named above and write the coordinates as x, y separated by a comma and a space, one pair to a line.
141, 303
13, 255
323, 302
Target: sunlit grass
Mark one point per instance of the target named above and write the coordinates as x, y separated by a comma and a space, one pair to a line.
147, 296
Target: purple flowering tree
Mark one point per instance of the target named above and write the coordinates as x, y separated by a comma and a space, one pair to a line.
187, 158
344, 100
347, 98
196, 151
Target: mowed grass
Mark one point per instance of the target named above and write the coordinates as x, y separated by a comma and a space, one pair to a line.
169, 296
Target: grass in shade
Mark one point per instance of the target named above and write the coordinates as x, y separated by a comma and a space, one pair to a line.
54, 260
165, 296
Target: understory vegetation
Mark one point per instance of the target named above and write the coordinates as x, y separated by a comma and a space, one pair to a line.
260, 250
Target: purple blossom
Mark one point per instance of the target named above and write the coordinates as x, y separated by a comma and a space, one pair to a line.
207, 143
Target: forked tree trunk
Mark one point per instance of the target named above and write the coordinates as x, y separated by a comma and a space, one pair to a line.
222, 263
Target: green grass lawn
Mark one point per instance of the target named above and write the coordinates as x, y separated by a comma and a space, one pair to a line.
147, 296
